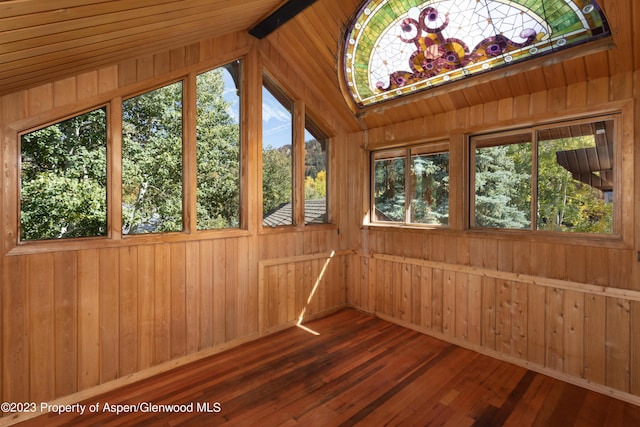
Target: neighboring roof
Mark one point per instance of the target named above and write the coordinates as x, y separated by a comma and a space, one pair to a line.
315, 212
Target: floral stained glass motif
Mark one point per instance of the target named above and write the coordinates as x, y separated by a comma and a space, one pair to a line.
397, 47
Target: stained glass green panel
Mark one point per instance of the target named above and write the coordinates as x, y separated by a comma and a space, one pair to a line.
397, 47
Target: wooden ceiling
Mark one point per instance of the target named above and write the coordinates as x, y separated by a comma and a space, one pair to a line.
45, 40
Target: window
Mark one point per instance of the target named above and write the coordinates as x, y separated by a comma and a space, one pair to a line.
315, 174
63, 179
218, 147
152, 161
277, 157
554, 178
294, 163
411, 186
397, 47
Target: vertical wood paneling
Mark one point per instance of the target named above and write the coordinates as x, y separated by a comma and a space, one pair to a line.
88, 319
15, 330
41, 327
574, 337
162, 304
617, 343
594, 330
66, 321
178, 322
128, 311
219, 291
554, 328
146, 306
109, 297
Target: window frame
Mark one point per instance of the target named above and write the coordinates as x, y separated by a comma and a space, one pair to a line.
617, 233
112, 102
429, 148
300, 117
109, 153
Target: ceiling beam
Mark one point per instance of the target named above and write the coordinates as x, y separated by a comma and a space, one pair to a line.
284, 13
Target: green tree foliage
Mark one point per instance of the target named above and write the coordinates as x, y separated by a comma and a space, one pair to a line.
218, 155
503, 186
389, 191
564, 203
430, 187
152, 161
63, 179
277, 179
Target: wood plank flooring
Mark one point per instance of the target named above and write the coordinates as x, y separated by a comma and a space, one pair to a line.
357, 370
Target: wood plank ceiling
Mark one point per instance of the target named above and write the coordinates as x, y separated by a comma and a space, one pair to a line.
45, 40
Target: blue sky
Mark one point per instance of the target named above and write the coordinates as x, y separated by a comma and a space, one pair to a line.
276, 120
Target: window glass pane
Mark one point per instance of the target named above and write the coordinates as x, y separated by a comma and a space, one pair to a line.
63, 178
503, 183
152, 161
277, 158
218, 147
575, 178
389, 194
315, 176
430, 188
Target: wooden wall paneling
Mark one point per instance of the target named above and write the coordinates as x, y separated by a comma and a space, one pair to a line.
193, 287
88, 319
574, 333
372, 284
109, 296
536, 322
426, 291
474, 322
127, 73
291, 290
244, 302
405, 304
598, 91
15, 330
617, 344
87, 84
40, 99
178, 329
128, 304
519, 319
634, 375
206, 306
462, 308
64, 92
503, 316
535, 80
577, 95
415, 291
65, 286
307, 290
538, 103
595, 331
231, 285
146, 306
162, 303
41, 326
555, 329
219, 291
489, 312
299, 297
437, 300
556, 99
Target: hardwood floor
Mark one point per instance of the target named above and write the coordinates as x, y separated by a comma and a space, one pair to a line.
357, 370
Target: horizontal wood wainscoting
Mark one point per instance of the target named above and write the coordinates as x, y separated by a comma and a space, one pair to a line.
583, 334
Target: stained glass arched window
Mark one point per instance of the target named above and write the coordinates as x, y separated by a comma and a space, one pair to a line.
396, 47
